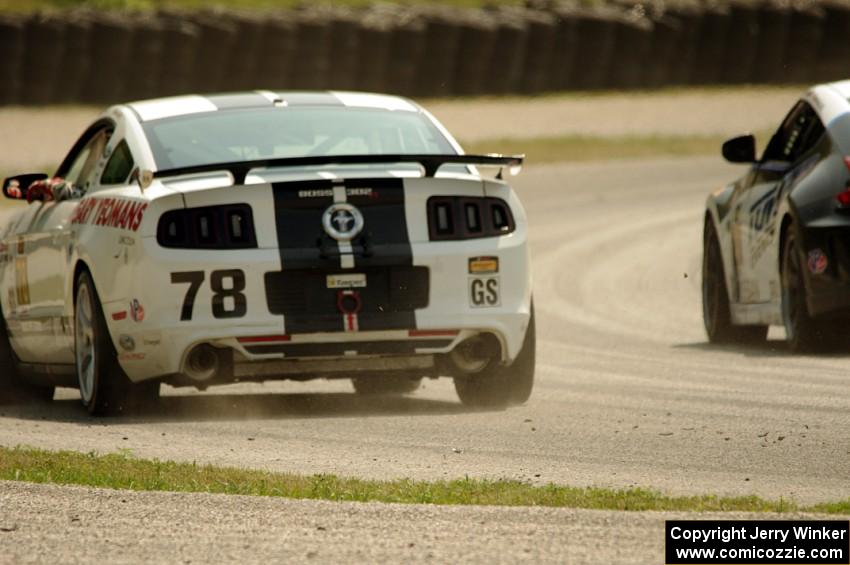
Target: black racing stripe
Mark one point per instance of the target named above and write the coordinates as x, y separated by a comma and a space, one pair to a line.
310, 99
394, 289
239, 100
403, 347
298, 210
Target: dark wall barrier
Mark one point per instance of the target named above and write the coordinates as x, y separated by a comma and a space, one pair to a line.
630, 59
548, 45
180, 41
804, 37
504, 68
774, 20
710, 54
111, 60
42, 58
477, 41
564, 50
406, 48
75, 65
344, 49
12, 37
278, 49
684, 56
374, 38
742, 45
665, 41
595, 32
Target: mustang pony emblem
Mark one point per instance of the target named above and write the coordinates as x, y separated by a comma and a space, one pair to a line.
342, 221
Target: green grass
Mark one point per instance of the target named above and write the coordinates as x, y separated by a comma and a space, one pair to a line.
581, 148
123, 471
146, 5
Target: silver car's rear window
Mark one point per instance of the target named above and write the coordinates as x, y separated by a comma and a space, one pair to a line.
273, 133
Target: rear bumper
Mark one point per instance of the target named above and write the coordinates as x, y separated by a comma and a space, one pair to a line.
157, 343
829, 290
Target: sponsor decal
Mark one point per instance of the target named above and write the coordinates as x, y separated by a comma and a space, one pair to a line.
127, 342
137, 311
354, 280
483, 265
817, 262
484, 292
22, 284
110, 212
132, 356
762, 220
118, 316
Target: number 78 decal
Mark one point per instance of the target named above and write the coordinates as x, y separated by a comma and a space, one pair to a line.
220, 308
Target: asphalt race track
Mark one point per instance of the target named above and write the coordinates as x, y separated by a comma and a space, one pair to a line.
628, 393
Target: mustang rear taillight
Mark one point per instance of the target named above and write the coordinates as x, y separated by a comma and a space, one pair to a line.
457, 217
211, 227
843, 197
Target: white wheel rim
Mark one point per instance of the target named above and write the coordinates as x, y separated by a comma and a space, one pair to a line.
84, 347
790, 304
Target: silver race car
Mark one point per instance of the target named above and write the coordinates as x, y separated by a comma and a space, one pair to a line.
777, 240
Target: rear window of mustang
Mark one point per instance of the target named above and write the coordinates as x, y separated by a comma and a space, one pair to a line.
247, 135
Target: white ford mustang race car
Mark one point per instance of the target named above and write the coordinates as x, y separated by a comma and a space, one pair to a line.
203, 240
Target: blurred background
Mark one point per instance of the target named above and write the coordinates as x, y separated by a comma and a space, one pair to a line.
63, 51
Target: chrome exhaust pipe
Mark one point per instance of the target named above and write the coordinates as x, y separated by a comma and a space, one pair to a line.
202, 363
475, 354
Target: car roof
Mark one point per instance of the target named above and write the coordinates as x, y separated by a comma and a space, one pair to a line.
159, 108
830, 100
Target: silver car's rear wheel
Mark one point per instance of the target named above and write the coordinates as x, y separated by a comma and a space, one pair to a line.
804, 333
104, 387
84, 343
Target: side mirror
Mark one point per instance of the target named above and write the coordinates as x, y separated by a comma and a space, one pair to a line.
16, 187
741, 149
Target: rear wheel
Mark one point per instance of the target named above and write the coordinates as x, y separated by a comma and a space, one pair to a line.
802, 331
104, 387
716, 313
12, 386
385, 385
499, 385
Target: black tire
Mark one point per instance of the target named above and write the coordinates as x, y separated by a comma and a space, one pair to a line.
499, 386
389, 385
104, 387
803, 333
12, 387
716, 313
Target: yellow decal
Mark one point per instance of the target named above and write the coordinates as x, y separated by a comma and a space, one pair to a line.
22, 285
479, 265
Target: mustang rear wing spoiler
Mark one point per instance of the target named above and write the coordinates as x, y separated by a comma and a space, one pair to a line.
430, 163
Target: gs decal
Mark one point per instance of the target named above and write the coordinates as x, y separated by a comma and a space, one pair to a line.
484, 292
